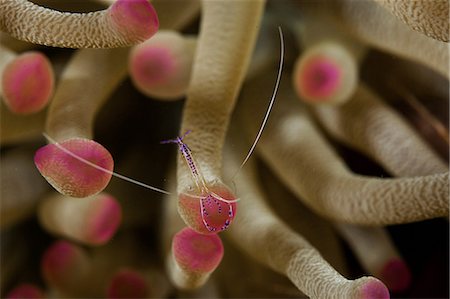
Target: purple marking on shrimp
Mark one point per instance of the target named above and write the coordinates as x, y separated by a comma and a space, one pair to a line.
186, 152
211, 212
211, 204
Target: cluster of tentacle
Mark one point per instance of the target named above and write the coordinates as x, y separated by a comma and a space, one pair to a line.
355, 149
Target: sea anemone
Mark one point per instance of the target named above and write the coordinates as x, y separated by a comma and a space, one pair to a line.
344, 192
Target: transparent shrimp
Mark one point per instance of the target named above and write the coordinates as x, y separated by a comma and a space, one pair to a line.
187, 155
211, 204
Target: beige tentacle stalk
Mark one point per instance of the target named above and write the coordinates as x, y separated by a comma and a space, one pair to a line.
172, 224
71, 118
17, 128
183, 277
319, 232
329, 53
227, 36
13, 127
14, 44
90, 221
377, 254
428, 17
303, 159
123, 24
371, 23
78, 98
410, 156
173, 14
369, 125
6, 57
22, 187
261, 234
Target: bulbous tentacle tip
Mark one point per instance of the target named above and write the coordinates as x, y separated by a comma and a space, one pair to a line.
135, 18
209, 212
70, 176
373, 289
127, 283
59, 259
25, 291
28, 83
325, 74
195, 252
318, 77
151, 66
396, 275
161, 66
104, 221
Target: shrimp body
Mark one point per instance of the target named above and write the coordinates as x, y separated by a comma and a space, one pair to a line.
216, 212
186, 153
210, 205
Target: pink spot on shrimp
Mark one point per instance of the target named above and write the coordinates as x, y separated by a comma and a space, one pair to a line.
319, 78
374, 289
28, 83
151, 66
210, 212
71, 176
196, 252
396, 275
135, 18
127, 284
25, 291
105, 219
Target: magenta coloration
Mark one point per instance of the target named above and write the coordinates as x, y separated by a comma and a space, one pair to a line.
216, 212
374, 289
58, 259
105, 220
70, 176
151, 67
320, 77
127, 283
27, 83
212, 209
324, 176
186, 152
25, 291
135, 18
396, 275
196, 252
160, 67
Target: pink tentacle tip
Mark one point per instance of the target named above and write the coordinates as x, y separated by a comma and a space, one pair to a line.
25, 291
135, 18
196, 252
151, 66
27, 83
373, 289
210, 212
396, 275
59, 259
318, 78
105, 219
69, 175
127, 283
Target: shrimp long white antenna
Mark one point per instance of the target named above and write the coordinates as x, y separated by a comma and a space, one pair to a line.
269, 109
117, 175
